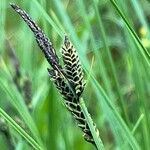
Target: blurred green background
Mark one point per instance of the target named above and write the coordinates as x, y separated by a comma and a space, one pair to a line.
117, 92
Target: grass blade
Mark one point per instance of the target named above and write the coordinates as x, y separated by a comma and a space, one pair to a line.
142, 49
97, 140
19, 130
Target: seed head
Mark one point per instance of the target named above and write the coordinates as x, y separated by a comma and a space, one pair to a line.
68, 79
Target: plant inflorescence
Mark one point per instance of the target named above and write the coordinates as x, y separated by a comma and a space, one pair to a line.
68, 78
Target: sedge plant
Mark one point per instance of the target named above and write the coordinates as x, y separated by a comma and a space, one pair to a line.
68, 79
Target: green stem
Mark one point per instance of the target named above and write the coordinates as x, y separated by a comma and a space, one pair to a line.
137, 123
19, 129
111, 62
132, 32
89, 120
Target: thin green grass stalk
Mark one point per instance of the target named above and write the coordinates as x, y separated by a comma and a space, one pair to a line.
26, 136
45, 27
25, 54
39, 95
89, 120
140, 14
22, 111
103, 99
42, 90
69, 27
112, 67
50, 21
113, 116
139, 88
137, 123
17, 101
56, 20
137, 75
142, 49
144, 24
2, 24
101, 66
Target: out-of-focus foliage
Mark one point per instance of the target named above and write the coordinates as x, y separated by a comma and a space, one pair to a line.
107, 52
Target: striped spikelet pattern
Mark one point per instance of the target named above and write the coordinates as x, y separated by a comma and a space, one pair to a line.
68, 78
72, 104
72, 67
74, 74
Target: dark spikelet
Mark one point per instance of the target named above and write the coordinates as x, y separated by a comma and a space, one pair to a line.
42, 40
68, 80
73, 68
72, 104
61, 85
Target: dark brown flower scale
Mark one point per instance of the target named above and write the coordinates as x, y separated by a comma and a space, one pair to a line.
68, 79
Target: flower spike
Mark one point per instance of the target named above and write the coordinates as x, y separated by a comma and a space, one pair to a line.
68, 79
42, 40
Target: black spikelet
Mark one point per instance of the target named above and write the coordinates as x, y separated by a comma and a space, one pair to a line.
68, 80
73, 68
42, 40
72, 104
62, 86
74, 74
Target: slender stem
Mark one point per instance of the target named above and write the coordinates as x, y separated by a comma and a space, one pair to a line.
111, 62
19, 129
137, 123
89, 120
133, 33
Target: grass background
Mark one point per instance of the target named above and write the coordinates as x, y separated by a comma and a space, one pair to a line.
116, 69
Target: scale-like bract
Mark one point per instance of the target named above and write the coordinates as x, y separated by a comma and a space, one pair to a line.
72, 104
73, 68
